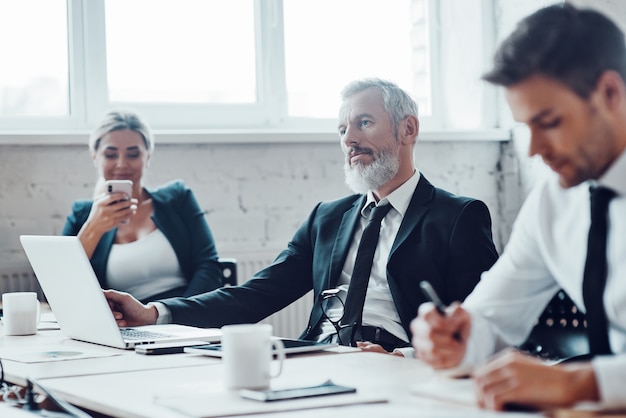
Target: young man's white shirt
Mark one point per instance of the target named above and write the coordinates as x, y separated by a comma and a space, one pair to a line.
547, 251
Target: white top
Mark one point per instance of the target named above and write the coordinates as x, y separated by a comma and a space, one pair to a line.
547, 250
379, 309
145, 267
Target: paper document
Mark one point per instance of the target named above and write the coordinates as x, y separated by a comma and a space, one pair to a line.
52, 353
457, 391
230, 403
461, 372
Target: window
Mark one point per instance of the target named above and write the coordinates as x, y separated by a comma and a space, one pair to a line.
209, 64
187, 51
329, 43
34, 71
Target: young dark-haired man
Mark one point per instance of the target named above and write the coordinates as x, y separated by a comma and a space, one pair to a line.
564, 71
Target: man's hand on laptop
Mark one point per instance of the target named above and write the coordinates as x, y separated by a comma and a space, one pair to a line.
128, 311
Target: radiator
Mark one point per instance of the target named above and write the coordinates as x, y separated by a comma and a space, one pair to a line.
289, 323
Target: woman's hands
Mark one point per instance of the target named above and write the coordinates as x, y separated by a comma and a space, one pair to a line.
110, 210
107, 212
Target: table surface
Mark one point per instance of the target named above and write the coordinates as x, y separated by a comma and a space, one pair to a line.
115, 360
126, 384
147, 393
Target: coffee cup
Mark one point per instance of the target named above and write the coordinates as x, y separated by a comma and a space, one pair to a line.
247, 355
20, 313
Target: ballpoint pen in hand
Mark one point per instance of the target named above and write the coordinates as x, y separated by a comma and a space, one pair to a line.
432, 296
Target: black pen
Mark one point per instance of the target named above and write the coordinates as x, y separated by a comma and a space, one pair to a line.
432, 296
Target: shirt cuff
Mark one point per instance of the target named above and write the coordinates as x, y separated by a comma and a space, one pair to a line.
408, 352
480, 344
164, 314
611, 379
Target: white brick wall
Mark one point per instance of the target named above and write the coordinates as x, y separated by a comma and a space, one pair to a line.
255, 195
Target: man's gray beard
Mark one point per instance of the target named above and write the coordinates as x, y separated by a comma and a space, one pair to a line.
360, 179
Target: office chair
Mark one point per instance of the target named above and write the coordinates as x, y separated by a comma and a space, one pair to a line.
559, 332
229, 271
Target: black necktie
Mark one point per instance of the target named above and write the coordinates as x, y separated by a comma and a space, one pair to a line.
595, 273
353, 310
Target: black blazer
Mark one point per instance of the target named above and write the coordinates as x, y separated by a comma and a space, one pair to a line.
179, 217
445, 239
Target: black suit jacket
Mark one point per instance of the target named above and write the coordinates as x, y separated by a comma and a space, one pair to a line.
443, 238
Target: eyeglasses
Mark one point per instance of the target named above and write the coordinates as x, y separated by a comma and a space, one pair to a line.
326, 299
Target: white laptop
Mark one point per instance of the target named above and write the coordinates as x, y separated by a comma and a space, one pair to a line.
78, 303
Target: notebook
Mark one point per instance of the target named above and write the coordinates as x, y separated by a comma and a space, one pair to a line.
76, 299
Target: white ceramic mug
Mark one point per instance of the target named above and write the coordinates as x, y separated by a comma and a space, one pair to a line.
247, 355
20, 313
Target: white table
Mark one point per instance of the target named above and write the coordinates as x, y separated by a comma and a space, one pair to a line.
143, 394
116, 360
127, 384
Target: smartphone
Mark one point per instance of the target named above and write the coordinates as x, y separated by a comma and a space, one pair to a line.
166, 348
326, 388
117, 186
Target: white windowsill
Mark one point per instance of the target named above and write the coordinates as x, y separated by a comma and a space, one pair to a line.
241, 137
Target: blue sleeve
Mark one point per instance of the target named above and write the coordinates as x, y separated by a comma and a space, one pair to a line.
184, 223
75, 220
208, 274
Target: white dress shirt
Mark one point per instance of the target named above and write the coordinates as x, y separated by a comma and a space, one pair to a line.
379, 309
547, 250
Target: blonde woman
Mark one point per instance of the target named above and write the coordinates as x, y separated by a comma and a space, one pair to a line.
156, 244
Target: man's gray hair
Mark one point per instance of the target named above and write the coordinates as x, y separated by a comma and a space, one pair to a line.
397, 102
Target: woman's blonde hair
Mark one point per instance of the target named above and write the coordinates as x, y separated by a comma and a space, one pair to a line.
118, 120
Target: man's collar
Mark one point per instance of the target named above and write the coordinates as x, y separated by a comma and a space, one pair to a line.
615, 176
400, 198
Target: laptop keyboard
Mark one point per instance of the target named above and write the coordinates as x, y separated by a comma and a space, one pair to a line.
132, 334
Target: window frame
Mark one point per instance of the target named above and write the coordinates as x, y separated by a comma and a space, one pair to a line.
262, 113
234, 122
